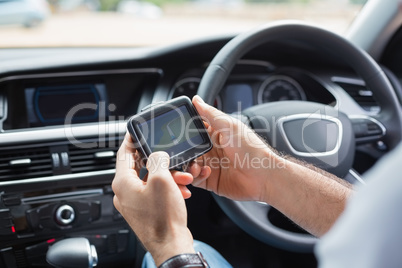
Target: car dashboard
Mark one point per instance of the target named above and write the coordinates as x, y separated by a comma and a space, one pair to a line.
63, 115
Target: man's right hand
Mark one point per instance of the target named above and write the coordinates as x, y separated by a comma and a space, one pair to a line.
240, 162
241, 166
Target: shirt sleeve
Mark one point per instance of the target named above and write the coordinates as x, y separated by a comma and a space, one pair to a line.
369, 232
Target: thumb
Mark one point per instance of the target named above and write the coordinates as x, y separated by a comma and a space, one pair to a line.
215, 118
158, 165
160, 180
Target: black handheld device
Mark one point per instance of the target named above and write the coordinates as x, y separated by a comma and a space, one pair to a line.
172, 126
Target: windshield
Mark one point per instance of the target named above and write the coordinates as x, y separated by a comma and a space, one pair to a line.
135, 23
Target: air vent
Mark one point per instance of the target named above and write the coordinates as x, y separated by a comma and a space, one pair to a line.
100, 157
20, 164
361, 94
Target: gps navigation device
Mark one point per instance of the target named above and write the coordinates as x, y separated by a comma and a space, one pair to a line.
174, 127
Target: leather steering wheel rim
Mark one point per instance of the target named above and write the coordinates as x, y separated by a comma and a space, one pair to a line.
252, 216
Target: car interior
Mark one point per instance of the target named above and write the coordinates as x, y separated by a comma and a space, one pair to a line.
64, 111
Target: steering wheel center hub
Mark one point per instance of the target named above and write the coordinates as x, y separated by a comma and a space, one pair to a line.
317, 133
311, 135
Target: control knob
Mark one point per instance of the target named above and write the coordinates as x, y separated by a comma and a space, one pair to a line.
65, 215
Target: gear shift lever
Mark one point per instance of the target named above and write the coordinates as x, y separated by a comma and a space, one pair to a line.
72, 253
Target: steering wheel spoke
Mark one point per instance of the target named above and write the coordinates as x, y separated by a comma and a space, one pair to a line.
367, 129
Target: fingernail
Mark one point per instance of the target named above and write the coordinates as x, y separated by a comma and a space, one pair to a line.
203, 172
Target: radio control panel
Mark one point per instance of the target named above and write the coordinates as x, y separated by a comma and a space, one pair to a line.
31, 222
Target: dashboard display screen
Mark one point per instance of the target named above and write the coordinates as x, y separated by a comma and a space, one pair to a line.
57, 105
237, 97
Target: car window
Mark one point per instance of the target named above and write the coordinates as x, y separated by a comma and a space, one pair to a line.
134, 23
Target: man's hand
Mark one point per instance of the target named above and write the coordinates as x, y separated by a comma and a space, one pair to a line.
153, 207
241, 166
240, 162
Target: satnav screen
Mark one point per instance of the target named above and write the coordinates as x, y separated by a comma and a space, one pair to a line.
173, 132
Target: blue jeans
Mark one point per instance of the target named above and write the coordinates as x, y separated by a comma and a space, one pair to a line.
213, 258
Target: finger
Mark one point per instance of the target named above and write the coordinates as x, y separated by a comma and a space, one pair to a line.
205, 172
123, 153
200, 181
185, 192
138, 158
139, 161
158, 167
126, 156
126, 176
194, 168
182, 178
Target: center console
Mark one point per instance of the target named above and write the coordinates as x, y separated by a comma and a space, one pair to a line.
59, 134
33, 219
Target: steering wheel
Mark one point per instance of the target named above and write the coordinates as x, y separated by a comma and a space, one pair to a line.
317, 133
